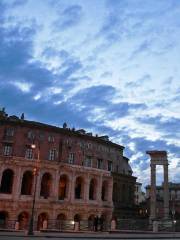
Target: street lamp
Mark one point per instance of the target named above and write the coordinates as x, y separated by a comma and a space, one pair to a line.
35, 173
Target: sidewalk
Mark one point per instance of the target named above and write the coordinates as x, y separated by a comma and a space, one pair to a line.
95, 235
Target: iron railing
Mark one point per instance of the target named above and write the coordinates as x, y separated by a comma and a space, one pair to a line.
85, 225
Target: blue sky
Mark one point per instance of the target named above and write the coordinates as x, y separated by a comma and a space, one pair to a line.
109, 66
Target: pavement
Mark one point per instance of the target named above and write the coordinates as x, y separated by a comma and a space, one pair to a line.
20, 235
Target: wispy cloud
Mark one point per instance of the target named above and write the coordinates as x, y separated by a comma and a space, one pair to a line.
111, 67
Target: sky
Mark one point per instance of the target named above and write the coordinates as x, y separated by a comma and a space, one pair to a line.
111, 67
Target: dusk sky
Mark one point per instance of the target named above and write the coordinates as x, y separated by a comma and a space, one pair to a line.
111, 67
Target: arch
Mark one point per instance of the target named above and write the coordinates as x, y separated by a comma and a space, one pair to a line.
41, 218
46, 184
23, 219
63, 187
27, 181
3, 219
115, 192
104, 192
91, 222
60, 221
61, 217
7, 181
79, 188
92, 189
77, 217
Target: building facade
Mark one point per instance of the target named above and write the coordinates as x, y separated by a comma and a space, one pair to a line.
139, 194
174, 200
68, 170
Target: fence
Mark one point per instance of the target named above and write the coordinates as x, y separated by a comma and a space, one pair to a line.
121, 224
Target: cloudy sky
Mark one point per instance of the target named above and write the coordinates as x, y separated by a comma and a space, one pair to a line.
109, 66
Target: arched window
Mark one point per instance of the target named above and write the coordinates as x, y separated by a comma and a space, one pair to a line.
61, 217
41, 218
60, 221
79, 188
23, 220
3, 219
91, 222
46, 184
7, 181
63, 185
104, 193
92, 189
27, 181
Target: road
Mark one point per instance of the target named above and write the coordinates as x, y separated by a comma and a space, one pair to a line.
88, 236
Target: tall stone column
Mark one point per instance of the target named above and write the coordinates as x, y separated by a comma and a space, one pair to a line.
17, 183
153, 192
110, 190
166, 193
71, 187
56, 185
99, 190
86, 188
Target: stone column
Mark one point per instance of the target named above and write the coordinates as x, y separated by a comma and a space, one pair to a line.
110, 190
166, 193
99, 190
72, 185
17, 183
56, 185
153, 192
86, 188
38, 187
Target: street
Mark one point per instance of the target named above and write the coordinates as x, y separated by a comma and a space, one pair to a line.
87, 236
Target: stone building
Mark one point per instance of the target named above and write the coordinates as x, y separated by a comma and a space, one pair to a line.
139, 194
174, 199
74, 172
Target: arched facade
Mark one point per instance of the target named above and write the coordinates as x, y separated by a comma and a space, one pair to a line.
76, 179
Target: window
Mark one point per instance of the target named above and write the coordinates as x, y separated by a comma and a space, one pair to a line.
29, 153
7, 150
89, 145
50, 138
110, 165
31, 135
9, 132
71, 158
41, 136
88, 161
117, 168
52, 154
100, 163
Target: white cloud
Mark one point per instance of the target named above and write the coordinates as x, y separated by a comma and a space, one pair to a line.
23, 86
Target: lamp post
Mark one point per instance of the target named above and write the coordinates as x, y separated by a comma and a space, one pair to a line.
35, 173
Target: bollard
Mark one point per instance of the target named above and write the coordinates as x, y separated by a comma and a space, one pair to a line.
155, 226
16, 225
113, 225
